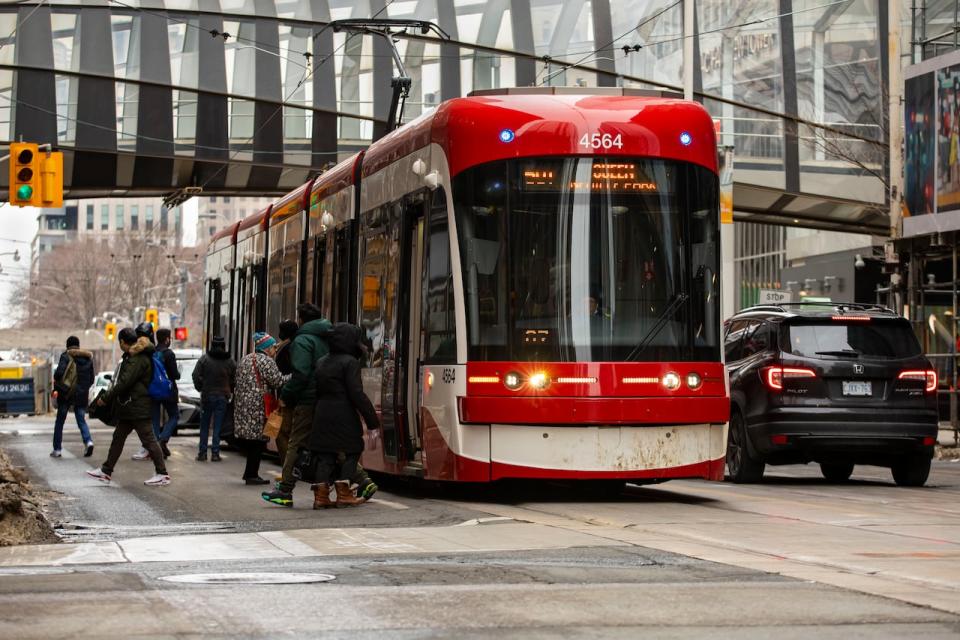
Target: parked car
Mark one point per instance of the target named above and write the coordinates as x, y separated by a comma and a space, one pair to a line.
101, 381
189, 401
840, 385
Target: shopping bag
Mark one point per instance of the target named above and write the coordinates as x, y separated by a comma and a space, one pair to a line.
272, 427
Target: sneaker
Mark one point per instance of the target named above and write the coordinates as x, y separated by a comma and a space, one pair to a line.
165, 449
56, 453
159, 480
215, 457
98, 474
256, 480
278, 497
366, 491
202, 456
88, 449
143, 454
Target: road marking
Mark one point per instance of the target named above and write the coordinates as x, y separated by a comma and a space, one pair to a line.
388, 503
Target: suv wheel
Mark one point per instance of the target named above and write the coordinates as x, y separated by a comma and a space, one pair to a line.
911, 472
741, 467
836, 471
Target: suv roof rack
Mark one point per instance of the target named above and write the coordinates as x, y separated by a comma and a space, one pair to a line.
842, 307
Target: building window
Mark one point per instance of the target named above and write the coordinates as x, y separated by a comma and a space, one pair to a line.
118, 217
134, 217
226, 198
213, 198
176, 219
149, 220
163, 218
104, 217
89, 217
211, 231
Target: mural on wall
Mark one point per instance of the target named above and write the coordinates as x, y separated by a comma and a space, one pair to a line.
918, 140
948, 138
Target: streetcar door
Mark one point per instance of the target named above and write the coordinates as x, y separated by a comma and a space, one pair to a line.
414, 333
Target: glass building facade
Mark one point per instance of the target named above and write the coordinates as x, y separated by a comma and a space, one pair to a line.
146, 96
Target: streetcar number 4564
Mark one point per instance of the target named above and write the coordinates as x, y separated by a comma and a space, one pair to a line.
601, 141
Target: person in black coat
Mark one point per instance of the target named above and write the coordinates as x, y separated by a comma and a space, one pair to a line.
337, 437
73, 394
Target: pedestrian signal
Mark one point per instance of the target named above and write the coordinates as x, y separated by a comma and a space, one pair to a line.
153, 317
110, 331
180, 333
24, 175
51, 179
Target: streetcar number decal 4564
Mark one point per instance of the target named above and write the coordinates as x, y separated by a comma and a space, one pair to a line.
602, 141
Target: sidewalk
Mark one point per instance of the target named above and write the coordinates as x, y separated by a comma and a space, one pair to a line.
497, 534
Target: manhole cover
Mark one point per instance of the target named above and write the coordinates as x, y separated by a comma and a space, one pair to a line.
249, 578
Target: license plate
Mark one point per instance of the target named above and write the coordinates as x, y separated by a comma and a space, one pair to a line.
857, 389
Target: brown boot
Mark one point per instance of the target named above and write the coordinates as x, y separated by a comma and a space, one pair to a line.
321, 496
345, 497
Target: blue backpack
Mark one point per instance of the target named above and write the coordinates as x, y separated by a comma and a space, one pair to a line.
160, 386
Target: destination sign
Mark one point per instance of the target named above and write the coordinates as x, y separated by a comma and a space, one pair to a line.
616, 177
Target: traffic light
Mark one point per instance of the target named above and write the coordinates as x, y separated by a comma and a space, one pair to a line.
24, 175
51, 179
110, 331
152, 316
180, 333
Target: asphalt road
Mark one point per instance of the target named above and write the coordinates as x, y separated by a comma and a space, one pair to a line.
792, 557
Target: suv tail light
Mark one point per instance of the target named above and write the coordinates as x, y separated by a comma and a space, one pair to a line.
773, 377
929, 375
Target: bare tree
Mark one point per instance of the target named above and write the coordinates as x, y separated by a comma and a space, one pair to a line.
76, 283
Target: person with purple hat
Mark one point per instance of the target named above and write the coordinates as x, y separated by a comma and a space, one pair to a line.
258, 378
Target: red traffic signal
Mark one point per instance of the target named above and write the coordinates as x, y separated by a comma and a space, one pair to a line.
181, 333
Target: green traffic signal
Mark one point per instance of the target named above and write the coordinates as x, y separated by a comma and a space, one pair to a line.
24, 192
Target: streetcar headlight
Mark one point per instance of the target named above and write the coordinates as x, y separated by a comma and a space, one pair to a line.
539, 380
670, 381
694, 380
512, 380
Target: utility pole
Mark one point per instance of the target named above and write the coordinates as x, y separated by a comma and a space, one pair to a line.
895, 117
688, 61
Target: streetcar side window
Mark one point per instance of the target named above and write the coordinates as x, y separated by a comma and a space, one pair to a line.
440, 335
372, 267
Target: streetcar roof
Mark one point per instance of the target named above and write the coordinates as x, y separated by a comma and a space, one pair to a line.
484, 128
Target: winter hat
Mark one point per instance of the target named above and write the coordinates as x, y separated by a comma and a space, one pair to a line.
73, 342
218, 342
263, 341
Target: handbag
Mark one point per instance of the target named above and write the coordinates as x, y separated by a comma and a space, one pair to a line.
105, 413
271, 429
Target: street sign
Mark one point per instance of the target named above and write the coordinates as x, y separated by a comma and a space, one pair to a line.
775, 296
110, 331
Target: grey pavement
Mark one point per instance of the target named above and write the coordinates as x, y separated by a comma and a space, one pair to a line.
794, 557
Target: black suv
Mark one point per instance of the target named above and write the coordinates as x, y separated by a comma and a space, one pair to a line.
837, 384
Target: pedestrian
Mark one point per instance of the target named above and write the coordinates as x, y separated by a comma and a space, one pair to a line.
299, 393
71, 383
130, 400
288, 329
336, 440
214, 377
257, 379
170, 404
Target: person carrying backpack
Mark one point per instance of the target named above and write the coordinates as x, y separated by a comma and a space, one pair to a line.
71, 383
130, 400
163, 391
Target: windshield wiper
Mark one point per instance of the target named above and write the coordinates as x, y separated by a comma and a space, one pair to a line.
661, 320
843, 353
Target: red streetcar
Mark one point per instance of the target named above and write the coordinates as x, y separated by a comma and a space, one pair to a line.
537, 274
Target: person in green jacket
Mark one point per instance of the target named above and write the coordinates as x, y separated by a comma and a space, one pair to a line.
307, 347
132, 407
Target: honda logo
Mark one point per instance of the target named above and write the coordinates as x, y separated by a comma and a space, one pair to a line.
858, 368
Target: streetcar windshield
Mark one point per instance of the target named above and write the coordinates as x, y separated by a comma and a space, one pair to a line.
589, 259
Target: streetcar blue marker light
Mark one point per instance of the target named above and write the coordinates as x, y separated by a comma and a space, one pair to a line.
685, 139
507, 135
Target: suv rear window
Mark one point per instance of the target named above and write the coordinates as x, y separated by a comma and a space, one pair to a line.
854, 339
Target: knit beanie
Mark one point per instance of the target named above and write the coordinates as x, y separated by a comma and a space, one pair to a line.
263, 341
